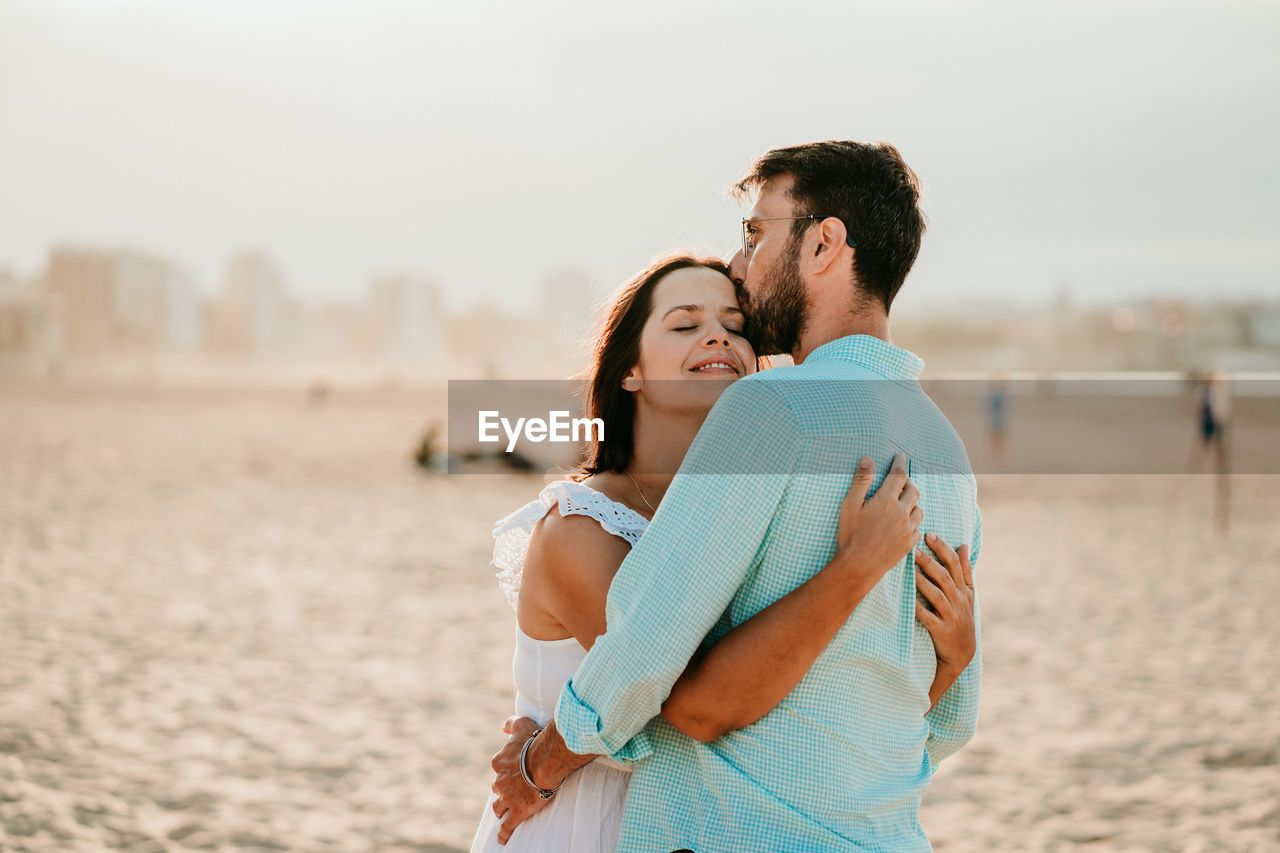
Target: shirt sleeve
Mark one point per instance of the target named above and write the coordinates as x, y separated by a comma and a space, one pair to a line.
683, 573
954, 719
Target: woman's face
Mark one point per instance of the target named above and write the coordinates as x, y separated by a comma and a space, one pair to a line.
694, 333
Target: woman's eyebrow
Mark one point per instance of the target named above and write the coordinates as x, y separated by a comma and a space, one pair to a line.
684, 308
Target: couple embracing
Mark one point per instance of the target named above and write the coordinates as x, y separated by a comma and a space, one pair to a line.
772, 647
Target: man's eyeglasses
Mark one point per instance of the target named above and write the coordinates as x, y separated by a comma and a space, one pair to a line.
749, 246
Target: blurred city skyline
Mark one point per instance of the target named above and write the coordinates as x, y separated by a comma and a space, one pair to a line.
96, 308
1105, 153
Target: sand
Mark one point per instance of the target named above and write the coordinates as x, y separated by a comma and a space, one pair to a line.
243, 621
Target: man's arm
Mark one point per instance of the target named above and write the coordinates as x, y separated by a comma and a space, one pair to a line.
682, 575
727, 688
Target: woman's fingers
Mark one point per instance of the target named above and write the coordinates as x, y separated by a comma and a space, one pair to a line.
933, 596
928, 618
930, 583
915, 517
948, 557
966, 566
500, 807
940, 576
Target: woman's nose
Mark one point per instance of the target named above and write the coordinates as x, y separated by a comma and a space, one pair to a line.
718, 336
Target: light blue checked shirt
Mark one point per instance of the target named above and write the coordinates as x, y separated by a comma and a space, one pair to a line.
841, 763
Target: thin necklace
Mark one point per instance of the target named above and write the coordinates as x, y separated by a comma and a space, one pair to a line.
642, 497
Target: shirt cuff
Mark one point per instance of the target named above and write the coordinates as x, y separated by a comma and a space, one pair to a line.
579, 725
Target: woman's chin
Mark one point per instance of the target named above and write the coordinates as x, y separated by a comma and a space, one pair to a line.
695, 396
713, 383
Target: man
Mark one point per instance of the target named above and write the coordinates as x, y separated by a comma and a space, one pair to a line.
842, 762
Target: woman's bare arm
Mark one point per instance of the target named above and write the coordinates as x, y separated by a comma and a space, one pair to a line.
567, 571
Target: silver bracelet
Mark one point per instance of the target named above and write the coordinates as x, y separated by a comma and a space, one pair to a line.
524, 770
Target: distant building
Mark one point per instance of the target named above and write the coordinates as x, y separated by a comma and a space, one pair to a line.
139, 301
1264, 326
107, 301
407, 318
183, 316
82, 300
251, 313
20, 315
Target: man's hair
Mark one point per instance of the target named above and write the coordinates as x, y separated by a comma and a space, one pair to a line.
870, 188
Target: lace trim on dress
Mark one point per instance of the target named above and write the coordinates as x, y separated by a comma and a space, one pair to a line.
511, 534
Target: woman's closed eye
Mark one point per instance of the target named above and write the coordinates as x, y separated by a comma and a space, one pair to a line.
739, 332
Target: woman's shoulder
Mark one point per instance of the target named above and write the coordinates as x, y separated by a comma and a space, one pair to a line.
570, 555
584, 513
572, 539
593, 501
569, 523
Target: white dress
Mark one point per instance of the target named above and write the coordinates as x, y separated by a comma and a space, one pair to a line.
584, 816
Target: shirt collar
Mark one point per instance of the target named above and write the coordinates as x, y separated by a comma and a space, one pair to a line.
872, 353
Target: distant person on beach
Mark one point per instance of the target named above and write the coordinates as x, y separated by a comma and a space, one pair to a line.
1213, 414
997, 402
766, 694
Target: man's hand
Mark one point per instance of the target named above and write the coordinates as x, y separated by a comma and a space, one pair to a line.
517, 801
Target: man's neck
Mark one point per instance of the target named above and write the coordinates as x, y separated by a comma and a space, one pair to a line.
835, 325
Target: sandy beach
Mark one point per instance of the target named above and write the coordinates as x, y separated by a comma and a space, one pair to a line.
235, 620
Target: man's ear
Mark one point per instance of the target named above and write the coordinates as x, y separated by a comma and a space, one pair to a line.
831, 237
631, 382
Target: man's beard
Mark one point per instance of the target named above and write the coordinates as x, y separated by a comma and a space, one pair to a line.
779, 313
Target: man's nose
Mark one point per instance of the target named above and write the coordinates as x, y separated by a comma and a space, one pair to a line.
738, 268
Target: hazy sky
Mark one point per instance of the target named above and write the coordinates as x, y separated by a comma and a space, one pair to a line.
1121, 148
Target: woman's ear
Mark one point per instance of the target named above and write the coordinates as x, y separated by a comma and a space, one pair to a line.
631, 382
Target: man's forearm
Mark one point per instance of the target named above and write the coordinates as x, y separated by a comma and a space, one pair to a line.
728, 688
550, 761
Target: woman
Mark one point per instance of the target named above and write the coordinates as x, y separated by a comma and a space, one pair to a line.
673, 339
